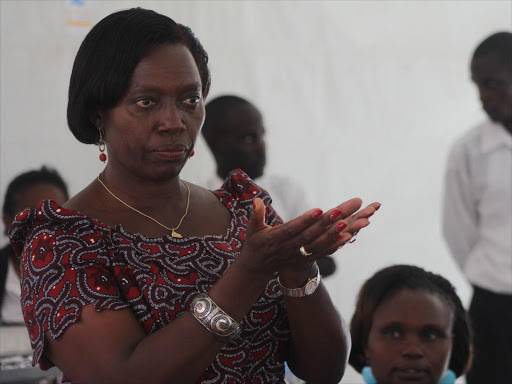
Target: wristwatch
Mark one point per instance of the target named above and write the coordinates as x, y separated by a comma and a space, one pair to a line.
308, 289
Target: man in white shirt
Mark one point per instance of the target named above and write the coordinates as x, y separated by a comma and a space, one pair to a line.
235, 133
477, 220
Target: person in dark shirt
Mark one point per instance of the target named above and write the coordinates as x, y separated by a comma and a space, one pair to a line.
24, 191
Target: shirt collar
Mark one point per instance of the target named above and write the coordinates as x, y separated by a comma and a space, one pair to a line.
495, 135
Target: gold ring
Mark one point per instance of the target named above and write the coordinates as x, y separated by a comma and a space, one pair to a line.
304, 252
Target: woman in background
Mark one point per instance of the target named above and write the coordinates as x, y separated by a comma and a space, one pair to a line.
24, 191
409, 326
145, 278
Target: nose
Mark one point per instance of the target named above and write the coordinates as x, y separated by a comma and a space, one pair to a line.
412, 349
170, 119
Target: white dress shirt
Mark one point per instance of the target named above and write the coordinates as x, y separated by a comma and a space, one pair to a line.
288, 198
477, 222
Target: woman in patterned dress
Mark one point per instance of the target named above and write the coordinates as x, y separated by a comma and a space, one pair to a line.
111, 293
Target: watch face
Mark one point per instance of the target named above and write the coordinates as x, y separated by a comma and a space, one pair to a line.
311, 286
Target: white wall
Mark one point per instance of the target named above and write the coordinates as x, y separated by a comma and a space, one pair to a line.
360, 98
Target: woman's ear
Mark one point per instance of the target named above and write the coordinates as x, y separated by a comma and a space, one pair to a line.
96, 119
366, 356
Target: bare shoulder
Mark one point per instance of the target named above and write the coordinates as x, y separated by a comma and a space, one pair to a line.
204, 199
81, 199
201, 194
207, 212
89, 201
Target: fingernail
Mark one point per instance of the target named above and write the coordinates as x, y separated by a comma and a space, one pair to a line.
378, 207
339, 236
341, 226
336, 213
352, 239
317, 213
254, 204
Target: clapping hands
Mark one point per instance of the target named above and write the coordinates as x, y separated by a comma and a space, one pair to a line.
296, 244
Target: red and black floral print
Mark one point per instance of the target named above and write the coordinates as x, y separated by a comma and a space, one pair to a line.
69, 260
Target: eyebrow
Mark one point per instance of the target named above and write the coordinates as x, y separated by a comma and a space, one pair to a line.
196, 86
436, 327
391, 324
401, 324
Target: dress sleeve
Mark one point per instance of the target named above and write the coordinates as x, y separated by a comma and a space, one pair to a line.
65, 265
240, 187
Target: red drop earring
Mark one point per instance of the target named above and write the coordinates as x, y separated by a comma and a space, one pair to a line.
101, 146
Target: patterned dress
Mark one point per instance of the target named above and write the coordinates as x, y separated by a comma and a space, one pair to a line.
69, 260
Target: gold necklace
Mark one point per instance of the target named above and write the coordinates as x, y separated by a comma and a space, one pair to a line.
173, 230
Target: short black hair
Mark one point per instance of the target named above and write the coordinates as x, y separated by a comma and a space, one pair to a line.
108, 56
26, 180
397, 278
216, 110
498, 45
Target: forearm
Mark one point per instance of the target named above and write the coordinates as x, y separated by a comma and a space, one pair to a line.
320, 338
111, 346
193, 347
177, 353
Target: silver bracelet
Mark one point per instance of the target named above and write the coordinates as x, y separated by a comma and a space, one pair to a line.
214, 319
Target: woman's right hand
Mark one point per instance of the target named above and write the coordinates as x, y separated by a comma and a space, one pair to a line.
277, 249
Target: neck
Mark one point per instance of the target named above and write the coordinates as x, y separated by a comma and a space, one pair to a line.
143, 193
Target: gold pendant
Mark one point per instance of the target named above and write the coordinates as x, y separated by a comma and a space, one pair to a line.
176, 234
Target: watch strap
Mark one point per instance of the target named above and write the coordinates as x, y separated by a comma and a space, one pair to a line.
308, 289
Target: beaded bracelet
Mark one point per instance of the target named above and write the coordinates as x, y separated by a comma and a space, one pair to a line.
214, 319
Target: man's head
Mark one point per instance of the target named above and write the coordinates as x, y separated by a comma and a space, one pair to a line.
234, 131
491, 70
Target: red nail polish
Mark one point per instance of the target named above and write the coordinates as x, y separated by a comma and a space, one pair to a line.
339, 236
254, 204
317, 213
378, 207
336, 213
341, 226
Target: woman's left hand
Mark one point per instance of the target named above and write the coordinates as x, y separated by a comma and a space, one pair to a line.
320, 338
332, 231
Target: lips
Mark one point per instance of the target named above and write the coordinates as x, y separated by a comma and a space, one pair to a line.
171, 152
412, 374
